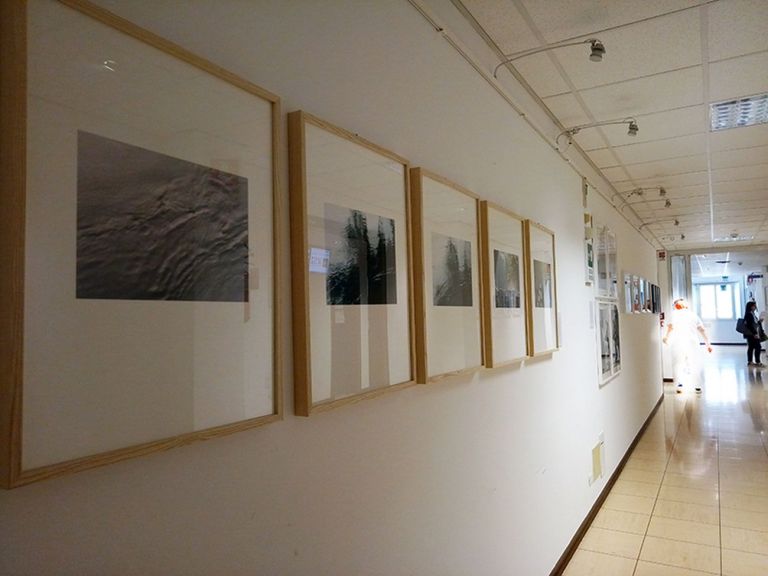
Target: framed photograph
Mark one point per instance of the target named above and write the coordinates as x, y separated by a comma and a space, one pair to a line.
589, 250
504, 286
628, 293
446, 265
607, 272
138, 244
351, 268
636, 294
543, 330
610, 340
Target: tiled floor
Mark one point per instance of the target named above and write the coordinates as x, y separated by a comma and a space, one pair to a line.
693, 497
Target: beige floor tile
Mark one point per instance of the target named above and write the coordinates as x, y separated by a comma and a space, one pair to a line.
744, 540
631, 488
636, 504
612, 542
642, 476
742, 501
621, 521
686, 511
681, 554
651, 465
587, 563
691, 495
730, 485
694, 467
685, 531
690, 481
737, 563
744, 519
652, 569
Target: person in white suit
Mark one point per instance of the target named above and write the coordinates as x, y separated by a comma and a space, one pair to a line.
684, 332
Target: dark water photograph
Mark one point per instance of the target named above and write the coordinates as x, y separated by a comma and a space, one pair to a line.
362, 266
154, 227
542, 284
506, 271
451, 271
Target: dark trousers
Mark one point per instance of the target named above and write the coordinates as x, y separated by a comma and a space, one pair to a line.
753, 350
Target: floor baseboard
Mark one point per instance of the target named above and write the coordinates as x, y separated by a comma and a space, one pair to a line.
576, 540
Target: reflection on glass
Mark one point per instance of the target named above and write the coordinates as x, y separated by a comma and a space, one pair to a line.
707, 301
724, 298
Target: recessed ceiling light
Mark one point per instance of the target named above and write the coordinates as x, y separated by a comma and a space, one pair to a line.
739, 112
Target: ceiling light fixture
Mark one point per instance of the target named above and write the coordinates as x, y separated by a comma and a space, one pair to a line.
632, 128
738, 112
596, 51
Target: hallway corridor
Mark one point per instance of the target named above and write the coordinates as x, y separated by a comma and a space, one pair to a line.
693, 497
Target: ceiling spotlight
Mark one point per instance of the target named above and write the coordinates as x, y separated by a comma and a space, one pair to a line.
596, 51
570, 132
662, 191
667, 204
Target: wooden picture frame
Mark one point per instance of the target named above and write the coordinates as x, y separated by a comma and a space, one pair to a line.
541, 277
446, 263
505, 319
95, 369
609, 340
351, 266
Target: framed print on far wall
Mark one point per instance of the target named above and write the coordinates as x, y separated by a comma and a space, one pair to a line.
447, 276
351, 268
610, 341
504, 286
541, 276
140, 204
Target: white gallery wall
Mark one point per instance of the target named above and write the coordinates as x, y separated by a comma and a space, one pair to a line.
484, 474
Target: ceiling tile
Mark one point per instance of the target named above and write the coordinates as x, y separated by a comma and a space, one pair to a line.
646, 95
661, 169
726, 174
740, 157
615, 173
668, 43
561, 19
567, 109
743, 137
743, 76
745, 185
503, 23
749, 17
542, 75
669, 181
603, 157
661, 149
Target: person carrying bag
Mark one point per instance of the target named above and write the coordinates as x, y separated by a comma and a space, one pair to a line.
753, 333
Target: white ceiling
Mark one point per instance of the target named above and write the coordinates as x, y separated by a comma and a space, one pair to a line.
665, 61
734, 264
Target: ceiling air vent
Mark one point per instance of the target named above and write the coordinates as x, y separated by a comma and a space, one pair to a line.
740, 112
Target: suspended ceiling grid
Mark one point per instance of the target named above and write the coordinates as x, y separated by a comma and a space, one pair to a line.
665, 61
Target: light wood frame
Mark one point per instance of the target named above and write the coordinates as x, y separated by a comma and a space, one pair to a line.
529, 275
420, 289
13, 162
304, 405
487, 264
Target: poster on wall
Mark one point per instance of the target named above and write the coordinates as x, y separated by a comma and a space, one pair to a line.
628, 293
504, 305
446, 269
350, 266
